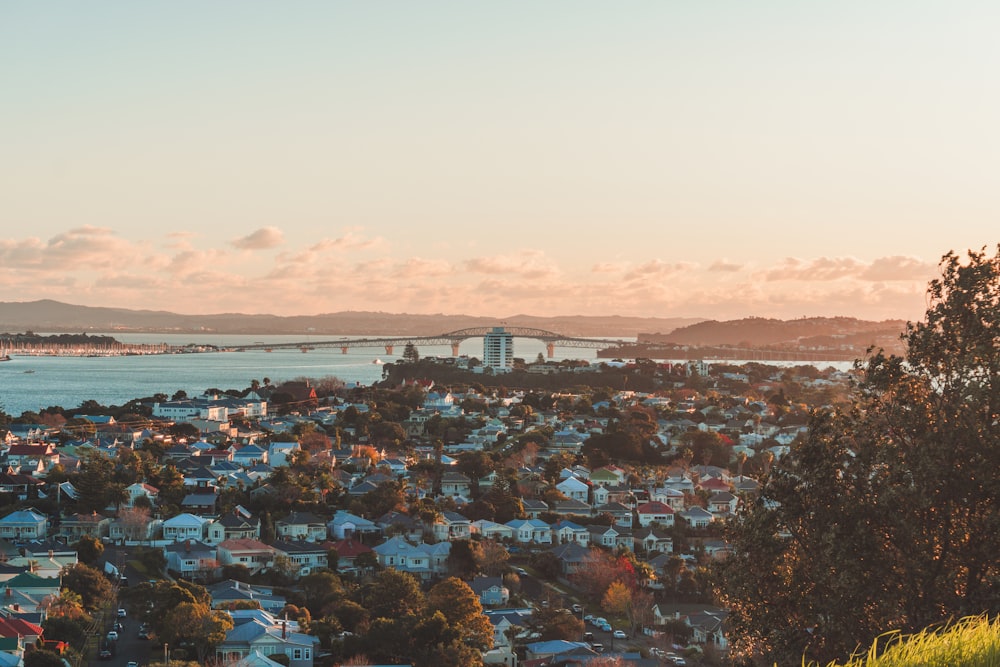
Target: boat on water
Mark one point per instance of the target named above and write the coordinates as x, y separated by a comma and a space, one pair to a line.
30, 370
377, 361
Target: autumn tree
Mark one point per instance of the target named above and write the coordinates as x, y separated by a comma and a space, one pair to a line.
883, 517
616, 599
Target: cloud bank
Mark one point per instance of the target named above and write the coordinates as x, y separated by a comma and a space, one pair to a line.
357, 271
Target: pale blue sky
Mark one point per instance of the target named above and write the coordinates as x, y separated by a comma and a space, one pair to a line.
713, 159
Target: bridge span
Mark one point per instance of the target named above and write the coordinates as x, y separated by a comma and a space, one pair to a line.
453, 338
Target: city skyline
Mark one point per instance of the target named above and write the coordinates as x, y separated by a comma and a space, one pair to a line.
565, 158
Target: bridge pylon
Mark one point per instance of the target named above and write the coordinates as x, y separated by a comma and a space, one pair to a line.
388, 349
454, 348
550, 348
343, 349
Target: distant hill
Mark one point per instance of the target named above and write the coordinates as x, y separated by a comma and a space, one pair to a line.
759, 332
816, 336
54, 316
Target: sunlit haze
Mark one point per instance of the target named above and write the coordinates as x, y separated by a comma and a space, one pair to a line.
702, 159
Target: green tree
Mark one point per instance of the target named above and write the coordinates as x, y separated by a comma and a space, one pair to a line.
393, 594
93, 587
198, 624
882, 518
410, 354
41, 657
460, 605
89, 550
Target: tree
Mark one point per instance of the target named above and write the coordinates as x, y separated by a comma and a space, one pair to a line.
551, 623
196, 623
410, 354
461, 607
41, 657
393, 594
463, 558
93, 587
616, 599
882, 518
89, 549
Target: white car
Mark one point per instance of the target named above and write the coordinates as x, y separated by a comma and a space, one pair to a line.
620, 634
113, 636
122, 613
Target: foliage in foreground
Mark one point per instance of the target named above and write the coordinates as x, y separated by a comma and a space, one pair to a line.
971, 642
886, 516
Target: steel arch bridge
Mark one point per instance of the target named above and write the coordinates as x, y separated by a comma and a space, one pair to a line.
452, 338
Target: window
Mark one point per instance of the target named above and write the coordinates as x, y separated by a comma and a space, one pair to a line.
297, 654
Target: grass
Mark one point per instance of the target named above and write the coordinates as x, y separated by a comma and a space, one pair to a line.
969, 642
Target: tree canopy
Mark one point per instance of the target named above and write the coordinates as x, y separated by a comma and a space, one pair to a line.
885, 516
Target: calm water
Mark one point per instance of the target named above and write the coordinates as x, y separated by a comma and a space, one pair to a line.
35, 383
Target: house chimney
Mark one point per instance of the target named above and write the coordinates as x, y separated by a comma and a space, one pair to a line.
9, 594
284, 629
187, 545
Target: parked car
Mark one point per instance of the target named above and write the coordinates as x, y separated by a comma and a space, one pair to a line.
600, 620
598, 647
576, 609
606, 627
619, 634
122, 613
588, 637
679, 662
132, 663
105, 654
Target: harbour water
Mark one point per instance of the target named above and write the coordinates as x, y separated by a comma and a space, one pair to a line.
35, 383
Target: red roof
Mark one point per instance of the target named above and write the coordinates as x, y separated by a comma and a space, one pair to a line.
655, 507
350, 548
14, 627
715, 484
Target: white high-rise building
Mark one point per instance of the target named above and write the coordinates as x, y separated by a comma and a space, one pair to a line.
498, 350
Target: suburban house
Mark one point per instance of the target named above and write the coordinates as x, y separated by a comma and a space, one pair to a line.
452, 526
141, 490
76, 526
253, 554
574, 489
528, 531
421, 560
305, 555
492, 530
268, 636
490, 590
455, 484
184, 526
655, 512
23, 525
302, 526
238, 524
565, 532
344, 525
696, 517
348, 551
191, 558
226, 593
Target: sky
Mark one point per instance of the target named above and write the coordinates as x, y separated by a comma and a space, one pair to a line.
716, 159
